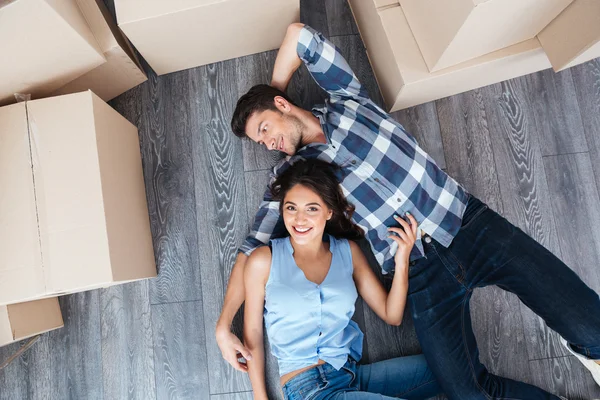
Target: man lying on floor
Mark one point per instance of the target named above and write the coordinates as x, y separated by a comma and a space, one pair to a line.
462, 244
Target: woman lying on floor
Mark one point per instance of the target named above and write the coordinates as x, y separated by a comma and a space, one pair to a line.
305, 286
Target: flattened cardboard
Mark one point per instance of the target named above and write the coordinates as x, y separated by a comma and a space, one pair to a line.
450, 32
47, 43
402, 73
122, 70
574, 36
173, 36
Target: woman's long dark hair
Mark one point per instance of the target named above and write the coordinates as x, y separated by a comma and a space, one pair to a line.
320, 177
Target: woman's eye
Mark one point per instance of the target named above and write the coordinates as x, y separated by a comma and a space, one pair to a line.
313, 209
290, 208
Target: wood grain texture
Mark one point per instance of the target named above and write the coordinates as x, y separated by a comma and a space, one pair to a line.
12, 384
422, 122
69, 363
555, 108
220, 204
181, 363
564, 376
314, 13
165, 140
575, 202
470, 159
587, 86
340, 20
525, 196
127, 342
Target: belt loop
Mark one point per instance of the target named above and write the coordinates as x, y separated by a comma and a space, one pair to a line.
322, 373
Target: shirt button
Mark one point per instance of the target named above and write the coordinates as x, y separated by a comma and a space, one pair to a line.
376, 179
427, 239
399, 200
353, 161
333, 146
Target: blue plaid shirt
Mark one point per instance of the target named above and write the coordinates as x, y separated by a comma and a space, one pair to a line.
383, 169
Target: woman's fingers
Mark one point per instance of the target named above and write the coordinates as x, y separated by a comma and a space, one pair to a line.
400, 232
413, 224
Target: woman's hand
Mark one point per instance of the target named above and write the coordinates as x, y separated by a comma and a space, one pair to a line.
405, 237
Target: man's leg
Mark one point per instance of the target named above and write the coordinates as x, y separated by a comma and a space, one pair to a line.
439, 298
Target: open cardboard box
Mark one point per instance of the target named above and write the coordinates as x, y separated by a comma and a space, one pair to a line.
23, 320
401, 71
450, 32
73, 211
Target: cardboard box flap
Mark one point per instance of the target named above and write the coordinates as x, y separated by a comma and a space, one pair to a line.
46, 49
572, 37
34, 317
385, 3
135, 10
20, 251
122, 70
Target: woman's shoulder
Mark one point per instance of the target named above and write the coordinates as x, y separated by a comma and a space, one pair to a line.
259, 262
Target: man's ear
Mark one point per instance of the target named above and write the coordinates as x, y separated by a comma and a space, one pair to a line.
282, 104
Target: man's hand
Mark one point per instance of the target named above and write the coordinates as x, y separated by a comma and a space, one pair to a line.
232, 348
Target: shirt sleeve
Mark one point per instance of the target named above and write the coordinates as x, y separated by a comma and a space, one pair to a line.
328, 67
268, 222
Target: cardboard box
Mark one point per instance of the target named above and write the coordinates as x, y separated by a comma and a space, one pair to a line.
45, 44
23, 320
450, 32
73, 204
574, 36
401, 71
122, 70
179, 34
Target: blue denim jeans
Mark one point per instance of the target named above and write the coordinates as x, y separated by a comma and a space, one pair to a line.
489, 250
403, 377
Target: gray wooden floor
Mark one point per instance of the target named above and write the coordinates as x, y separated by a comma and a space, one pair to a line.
529, 147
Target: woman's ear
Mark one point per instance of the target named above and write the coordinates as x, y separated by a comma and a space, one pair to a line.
329, 215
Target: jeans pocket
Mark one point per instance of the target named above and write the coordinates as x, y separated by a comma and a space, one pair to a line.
470, 216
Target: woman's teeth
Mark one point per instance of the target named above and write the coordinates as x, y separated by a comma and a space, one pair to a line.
302, 230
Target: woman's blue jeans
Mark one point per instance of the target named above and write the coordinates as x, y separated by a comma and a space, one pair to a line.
489, 250
402, 377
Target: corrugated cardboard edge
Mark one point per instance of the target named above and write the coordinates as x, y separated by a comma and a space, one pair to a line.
6, 335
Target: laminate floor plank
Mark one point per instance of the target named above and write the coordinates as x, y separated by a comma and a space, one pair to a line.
554, 105
525, 195
422, 122
127, 342
469, 154
221, 217
180, 358
165, 139
340, 20
587, 85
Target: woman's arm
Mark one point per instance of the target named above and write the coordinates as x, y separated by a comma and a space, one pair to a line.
256, 274
388, 306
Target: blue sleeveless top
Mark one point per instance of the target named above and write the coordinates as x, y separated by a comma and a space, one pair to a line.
306, 322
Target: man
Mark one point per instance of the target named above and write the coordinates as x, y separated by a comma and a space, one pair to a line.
463, 244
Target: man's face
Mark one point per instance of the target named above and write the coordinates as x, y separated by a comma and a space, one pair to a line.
275, 130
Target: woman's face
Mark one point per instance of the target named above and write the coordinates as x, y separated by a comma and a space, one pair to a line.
305, 214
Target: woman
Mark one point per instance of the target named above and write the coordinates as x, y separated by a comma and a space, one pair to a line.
305, 286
